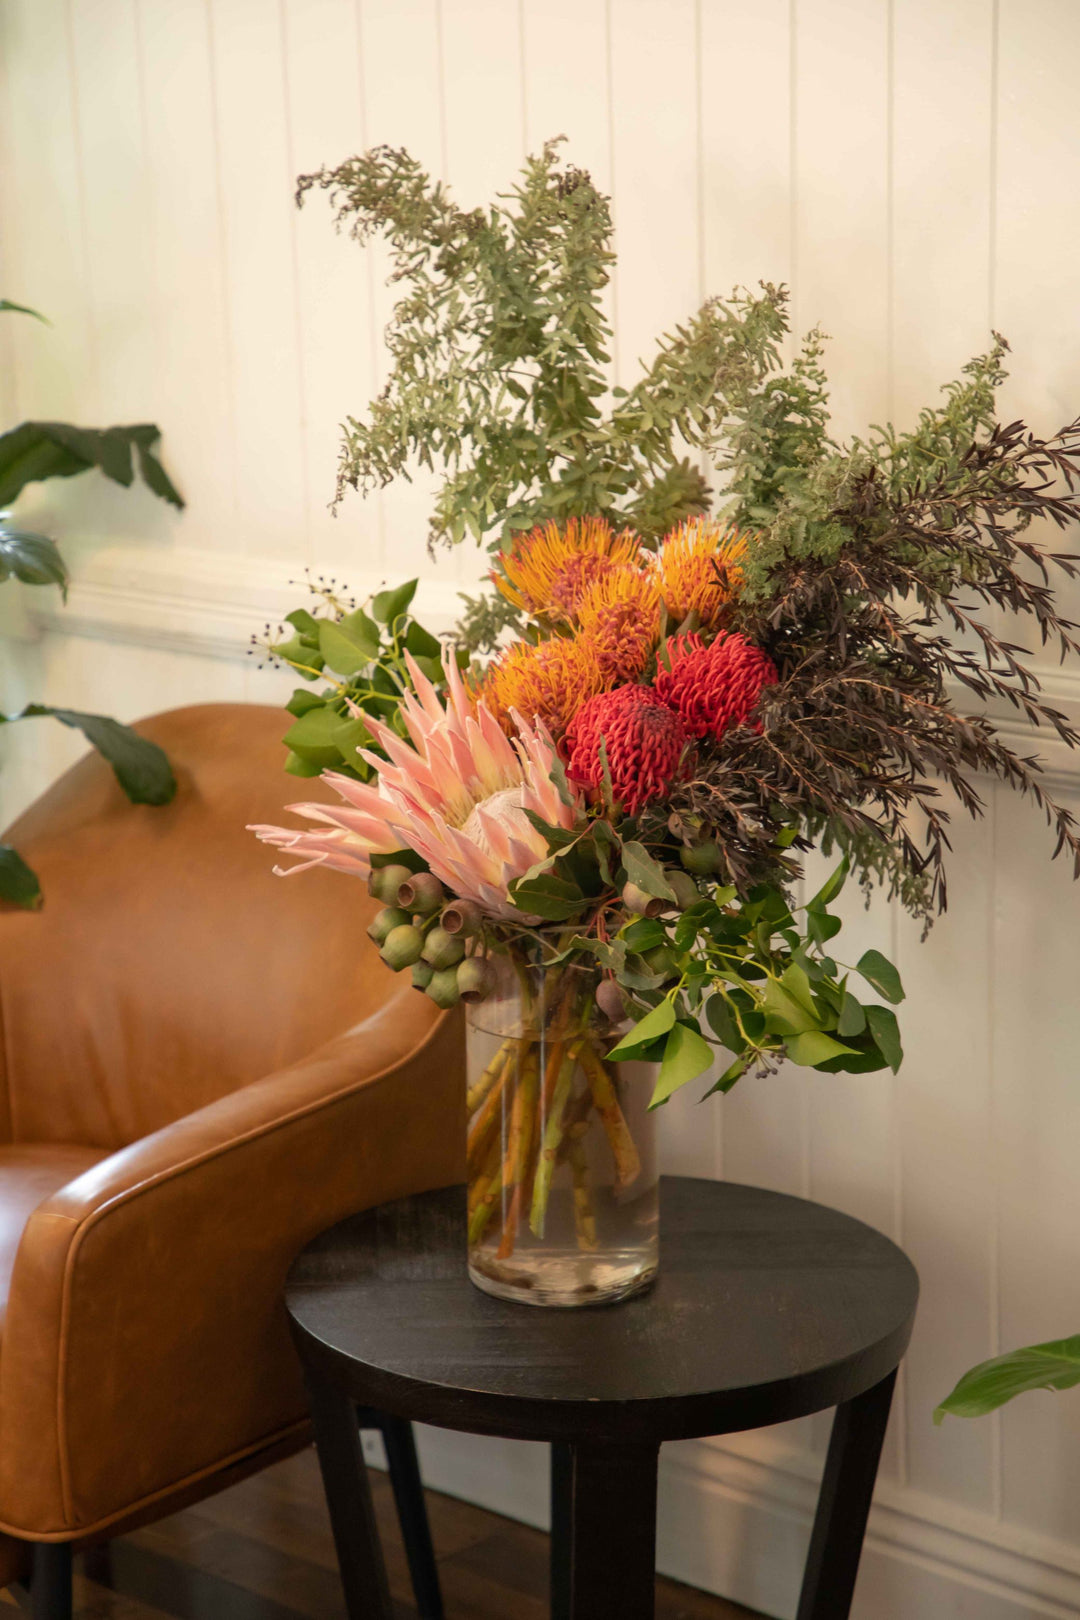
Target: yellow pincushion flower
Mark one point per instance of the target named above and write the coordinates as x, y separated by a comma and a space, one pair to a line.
548, 571
620, 620
549, 682
698, 571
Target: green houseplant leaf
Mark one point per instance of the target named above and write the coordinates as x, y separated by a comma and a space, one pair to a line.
18, 883
1054, 1365
24, 309
37, 450
140, 766
32, 558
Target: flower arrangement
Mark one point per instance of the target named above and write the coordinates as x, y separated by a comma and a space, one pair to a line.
614, 769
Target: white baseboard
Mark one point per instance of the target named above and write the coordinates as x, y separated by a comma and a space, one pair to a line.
735, 1518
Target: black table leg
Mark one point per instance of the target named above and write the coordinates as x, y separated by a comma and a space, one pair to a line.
348, 1496
408, 1487
562, 1478
613, 1532
844, 1504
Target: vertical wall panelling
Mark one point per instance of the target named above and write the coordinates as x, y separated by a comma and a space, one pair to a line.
484, 109
841, 91
907, 165
940, 315
654, 160
404, 106
191, 396
44, 247
1037, 241
1037, 1129
745, 143
324, 101
944, 1098
256, 187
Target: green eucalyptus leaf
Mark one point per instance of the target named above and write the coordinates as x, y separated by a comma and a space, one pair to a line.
886, 1033
343, 652
312, 737
18, 883
349, 736
547, 895
879, 971
813, 1048
421, 643
731, 1074
645, 934
851, 1019
822, 926
784, 1015
862, 1057
303, 621
831, 887
610, 954
1054, 1365
654, 1024
686, 1055
389, 605
648, 874
722, 1022
363, 630
295, 766
303, 701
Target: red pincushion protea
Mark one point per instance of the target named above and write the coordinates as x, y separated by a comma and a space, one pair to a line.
714, 687
643, 740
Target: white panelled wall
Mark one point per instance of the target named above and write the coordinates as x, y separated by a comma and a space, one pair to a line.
909, 166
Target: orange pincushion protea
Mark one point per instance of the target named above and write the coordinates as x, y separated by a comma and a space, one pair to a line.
643, 739
697, 571
620, 619
549, 682
548, 571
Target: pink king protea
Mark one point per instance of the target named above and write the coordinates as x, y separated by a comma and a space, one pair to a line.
457, 797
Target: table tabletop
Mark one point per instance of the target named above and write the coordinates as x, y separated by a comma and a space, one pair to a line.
766, 1307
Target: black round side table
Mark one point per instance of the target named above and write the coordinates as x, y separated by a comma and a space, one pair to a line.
766, 1308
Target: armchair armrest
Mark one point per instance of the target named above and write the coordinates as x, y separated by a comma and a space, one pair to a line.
146, 1341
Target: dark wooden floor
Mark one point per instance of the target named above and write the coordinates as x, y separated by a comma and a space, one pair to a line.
262, 1551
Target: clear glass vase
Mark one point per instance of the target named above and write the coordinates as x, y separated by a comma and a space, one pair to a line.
563, 1197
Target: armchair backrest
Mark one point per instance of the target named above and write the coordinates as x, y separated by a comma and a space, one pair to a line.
169, 966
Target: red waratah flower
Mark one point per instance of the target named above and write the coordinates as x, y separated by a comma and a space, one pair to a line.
643, 740
713, 687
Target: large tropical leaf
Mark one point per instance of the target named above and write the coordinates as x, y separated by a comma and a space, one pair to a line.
1055, 1365
32, 558
18, 884
37, 450
141, 767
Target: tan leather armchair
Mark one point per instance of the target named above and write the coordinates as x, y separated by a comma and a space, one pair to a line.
202, 1066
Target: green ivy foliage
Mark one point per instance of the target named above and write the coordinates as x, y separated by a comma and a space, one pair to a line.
361, 653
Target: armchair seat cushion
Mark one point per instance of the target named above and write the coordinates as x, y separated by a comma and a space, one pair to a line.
29, 1174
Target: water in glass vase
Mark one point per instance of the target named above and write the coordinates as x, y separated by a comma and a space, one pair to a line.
563, 1205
